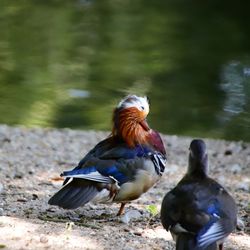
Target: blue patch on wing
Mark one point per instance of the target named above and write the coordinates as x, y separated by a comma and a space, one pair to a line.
142, 151
213, 211
213, 208
114, 172
79, 171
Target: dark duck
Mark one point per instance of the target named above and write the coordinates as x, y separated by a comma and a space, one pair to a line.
121, 167
199, 212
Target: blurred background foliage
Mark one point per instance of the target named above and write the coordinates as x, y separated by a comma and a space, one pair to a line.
67, 63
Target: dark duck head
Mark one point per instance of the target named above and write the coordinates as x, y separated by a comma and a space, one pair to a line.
129, 122
198, 161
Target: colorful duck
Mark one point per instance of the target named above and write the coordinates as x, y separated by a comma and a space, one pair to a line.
199, 212
121, 167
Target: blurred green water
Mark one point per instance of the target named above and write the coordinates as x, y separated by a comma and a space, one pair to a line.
67, 63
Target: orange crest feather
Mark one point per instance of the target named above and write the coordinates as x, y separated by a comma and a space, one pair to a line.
129, 127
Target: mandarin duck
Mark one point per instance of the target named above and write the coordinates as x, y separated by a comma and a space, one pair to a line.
121, 167
199, 212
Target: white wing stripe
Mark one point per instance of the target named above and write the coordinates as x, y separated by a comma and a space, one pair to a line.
214, 233
92, 177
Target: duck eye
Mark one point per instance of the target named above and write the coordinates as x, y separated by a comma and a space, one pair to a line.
142, 108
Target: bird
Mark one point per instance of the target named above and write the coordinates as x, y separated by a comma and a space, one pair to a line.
198, 211
119, 168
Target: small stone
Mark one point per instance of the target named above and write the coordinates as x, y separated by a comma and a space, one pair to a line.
13, 210
235, 168
1, 188
242, 186
240, 224
1, 211
51, 209
34, 196
131, 214
18, 175
221, 179
21, 200
228, 152
138, 233
43, 239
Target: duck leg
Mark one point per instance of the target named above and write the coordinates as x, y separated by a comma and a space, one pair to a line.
121, 210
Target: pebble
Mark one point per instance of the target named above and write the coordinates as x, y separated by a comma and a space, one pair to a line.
228, 152
22, 200
1, 211
14, 210
243, 186
131, 214
1, 188
240, 224
34, 196
235, 168
43, 239
18, 175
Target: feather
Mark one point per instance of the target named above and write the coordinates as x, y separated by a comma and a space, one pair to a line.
214, 233
76, 193
186, 241
159, 162
93, 177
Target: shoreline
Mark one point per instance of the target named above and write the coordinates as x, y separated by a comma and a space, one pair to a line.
31, 157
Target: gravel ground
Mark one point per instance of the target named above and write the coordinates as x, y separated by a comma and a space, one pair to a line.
31, 159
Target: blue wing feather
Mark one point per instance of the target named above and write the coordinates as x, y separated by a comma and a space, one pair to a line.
108, 171
115, 173
98, 161
80, 171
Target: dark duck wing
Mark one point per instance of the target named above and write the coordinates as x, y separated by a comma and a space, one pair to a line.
199, 212
119, 168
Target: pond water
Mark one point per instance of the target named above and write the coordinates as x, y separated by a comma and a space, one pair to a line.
67, 63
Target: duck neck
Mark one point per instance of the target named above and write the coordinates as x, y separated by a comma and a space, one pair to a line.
198, 167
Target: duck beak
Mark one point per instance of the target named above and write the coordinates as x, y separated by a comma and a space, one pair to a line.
145, 125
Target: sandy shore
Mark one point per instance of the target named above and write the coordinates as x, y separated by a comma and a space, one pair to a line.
29, 158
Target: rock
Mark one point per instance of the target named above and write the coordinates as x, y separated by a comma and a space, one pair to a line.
243, 186
235, 168
1, 188
221, 179
22, 200
131, 214
34, 196
43, 239
18, 175
228, 152
240, 224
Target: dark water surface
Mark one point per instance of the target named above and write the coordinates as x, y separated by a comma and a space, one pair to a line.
67, 63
